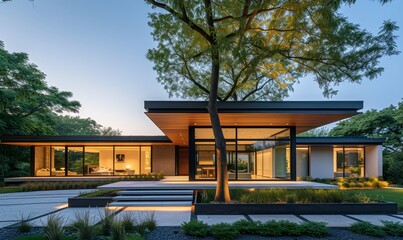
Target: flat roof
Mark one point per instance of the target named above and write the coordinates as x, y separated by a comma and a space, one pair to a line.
85, 140
175, 117
339, 141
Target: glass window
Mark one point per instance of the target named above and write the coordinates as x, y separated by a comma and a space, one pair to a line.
262, 133
145, 160
98, 161
207, 133
75, 161
42, 161
58, 156
302, 161
127, 160
349, 162
205, 160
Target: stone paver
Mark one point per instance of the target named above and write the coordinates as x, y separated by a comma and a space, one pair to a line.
265, 218
165, 216
33, 204
331, 220
214, 219
376, 219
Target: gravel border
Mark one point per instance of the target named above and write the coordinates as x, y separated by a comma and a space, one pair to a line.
175, 233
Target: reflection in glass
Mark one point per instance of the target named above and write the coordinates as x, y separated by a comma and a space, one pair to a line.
205, 160
207, 133
349, 162
75, 161
58, 155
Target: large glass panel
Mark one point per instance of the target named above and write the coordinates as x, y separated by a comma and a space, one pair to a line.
282, 160
302, 162
262, 133
75, 161
145, 160
58, 156
127, 160
207, 133
231, 160
349, 162
42, 161
98, 161
205, 160
354, 162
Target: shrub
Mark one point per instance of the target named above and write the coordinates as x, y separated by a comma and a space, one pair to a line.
128, 221
367, 184
393, 228
195, 228
315, 229
346, 184
54, 227
24, 225
247, 227
224, 231
367, 228
147, 222
117, 230
270, 228
352, 184
82, 224
107, 219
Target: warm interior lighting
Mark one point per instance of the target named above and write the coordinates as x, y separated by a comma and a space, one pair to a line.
161, 209
62, 206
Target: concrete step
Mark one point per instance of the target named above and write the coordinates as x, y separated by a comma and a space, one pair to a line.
155, 192
155, 198
151, 204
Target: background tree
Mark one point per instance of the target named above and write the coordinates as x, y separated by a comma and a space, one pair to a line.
28, 106
386, 123
203, 46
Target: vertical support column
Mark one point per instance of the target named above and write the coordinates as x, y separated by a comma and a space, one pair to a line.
176, 160
32, 159
293, 154
113, 160
66, 161
192, 154
84, 161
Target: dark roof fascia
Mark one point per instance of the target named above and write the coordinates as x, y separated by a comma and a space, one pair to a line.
95, 139
255, 107
339, 141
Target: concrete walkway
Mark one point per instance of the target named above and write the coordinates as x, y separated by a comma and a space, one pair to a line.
38, 205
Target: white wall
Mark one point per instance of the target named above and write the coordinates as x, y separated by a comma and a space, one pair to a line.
321, 162
373, 161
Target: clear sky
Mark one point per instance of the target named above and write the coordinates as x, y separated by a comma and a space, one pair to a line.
96, 49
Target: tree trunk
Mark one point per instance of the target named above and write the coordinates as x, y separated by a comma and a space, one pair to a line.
222, 188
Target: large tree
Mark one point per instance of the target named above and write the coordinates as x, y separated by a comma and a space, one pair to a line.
256, 49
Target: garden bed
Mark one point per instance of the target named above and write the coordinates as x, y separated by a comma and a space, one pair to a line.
89, 202
283, 201
295, 208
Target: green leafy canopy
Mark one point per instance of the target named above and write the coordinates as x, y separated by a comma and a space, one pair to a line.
265, 47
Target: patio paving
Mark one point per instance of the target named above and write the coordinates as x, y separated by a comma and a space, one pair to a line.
33, 204
265, 218
331, 220
376, 219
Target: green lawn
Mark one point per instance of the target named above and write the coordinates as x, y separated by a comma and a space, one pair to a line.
10, 189
385, 194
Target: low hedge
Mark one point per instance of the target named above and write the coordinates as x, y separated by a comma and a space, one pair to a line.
350, 182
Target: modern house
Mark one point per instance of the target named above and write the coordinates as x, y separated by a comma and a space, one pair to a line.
261, 144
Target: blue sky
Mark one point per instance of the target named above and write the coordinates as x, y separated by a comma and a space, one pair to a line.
96, 49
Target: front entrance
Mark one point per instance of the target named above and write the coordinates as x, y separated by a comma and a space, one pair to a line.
252, 154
